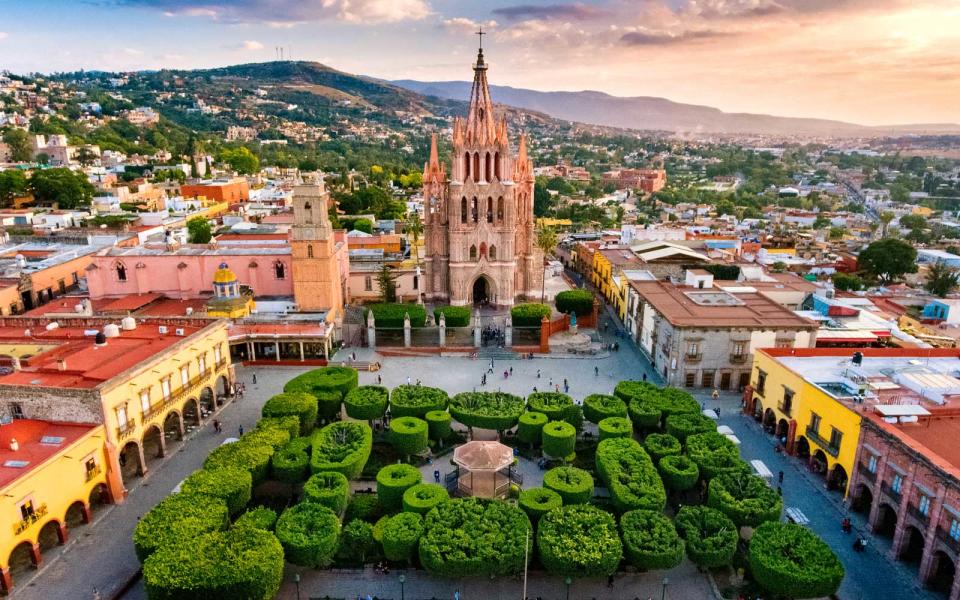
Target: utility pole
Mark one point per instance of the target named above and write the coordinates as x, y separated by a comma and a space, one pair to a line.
526, 551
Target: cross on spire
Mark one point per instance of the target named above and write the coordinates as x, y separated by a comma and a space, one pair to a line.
480, 34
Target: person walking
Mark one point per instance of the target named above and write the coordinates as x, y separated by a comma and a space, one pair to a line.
511, 371
538, 373
254, 379
241, 431
379, 379
716, 394
436, 476
780, 477
408, 380
596, 371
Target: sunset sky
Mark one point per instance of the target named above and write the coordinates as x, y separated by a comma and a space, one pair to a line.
866, 61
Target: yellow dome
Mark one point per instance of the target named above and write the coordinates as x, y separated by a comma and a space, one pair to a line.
224, 275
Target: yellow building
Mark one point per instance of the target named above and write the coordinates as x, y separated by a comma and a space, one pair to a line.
230, 299
53, 477
607, 274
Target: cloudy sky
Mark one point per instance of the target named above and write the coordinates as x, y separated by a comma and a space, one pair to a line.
868, 61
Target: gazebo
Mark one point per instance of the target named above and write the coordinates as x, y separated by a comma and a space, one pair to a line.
484, 468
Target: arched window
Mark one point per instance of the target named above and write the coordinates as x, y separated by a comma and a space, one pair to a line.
500, 209
309, 250
463, 209
309, 213
496, 166
466, 166
483, 249
488, 167
475, 209
121, 272
473, 253
493, 252
476, 167
279, 269
489, 210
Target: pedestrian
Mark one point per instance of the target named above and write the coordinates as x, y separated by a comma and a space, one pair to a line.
558, 388
379, 379
436, 476
511, 371
780, 491
506, 374
241, 431
596, 371
716, 394
254, 379
538, 373
780, 477
644, 376
534, 391
216, 425
408, 380
566, 386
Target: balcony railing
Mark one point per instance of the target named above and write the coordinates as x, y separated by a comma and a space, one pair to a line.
91, 473
889, 491
829, 448
692, 357
944, 536
127, 429
917, 514
738, 358
25, 523
176, 396
867, 474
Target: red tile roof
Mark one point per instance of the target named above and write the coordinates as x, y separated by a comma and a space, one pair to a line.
28, 434
130, 302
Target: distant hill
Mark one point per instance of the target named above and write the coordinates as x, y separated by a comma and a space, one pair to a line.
645, 112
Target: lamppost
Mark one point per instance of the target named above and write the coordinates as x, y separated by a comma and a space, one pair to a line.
568, 581
402, 579
663, 594
296, 580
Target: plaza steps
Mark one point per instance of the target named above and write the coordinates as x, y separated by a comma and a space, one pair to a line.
498, 354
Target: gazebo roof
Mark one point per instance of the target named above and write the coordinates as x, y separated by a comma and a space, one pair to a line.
483, 456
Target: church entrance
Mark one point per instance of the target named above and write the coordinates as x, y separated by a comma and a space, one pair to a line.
481, 291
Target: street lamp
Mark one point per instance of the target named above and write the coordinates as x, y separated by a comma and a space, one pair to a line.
296, 580
568, 581
402, 579
663, 594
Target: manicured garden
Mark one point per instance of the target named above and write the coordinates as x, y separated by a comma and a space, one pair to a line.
650, 484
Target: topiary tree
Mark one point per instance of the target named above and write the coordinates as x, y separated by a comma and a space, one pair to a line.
714, 454
683, 425
324, 379
231, 484
679, 472
645, 400
177, 519
536, 502
393, 481
273, 431
329, 405
343, 447
408, 435
557, 406
579, 302
252, 457
455, 316
401, 535
530, 428
615, 427
710, 535
574, 485
559, 439
417, 400
628, 390
291, 464
422, 497
650, 540
260, 517
745, 498
790, 561
367, 402
659, 445
579, 541
529, 315
309, 533
299, 404
329, 489
597, 407
438, 425
644, 416
487, 410
363, 506
356, 543
630, 475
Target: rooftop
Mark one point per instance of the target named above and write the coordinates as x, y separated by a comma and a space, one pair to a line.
38, 441
197, 250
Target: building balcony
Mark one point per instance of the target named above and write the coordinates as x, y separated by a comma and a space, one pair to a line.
91, 473
220, 364
692, 358
126, 430
944, 536
890, 492
814, 436
738, 358
866, 473
915, 512
24, 524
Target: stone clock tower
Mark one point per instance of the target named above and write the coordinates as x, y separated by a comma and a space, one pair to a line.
317, 283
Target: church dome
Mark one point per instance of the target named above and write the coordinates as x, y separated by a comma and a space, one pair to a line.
224, 275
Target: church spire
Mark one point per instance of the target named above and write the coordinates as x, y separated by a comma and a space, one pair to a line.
434, 171
481, 127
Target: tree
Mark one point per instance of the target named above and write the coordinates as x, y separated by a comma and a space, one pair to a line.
415, 229
941, 279
547, 242
19, 143
913, 222
62, 187
847, 282
888, 259
387, 280
241, 160
85, 156
820, 222
541, 200
899, 193
836, 233
199, 231
778, 267
885, 218
13, 184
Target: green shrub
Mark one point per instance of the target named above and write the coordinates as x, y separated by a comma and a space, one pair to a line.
378, 528
537, 502
258, 518
529, 315
367, 402
456, 316
579, 541
254, 458
356, 543
530, 428
328, 488
291, 464
614, 427
487, 410
628, 390
597, 407
575, 418
343, 447
790, 561
574, 485
579, 302
644, 416
557, 406
393, 481
176, 520
659, 445
417, 400
243, 563
710, 535
645, 400
408, 435
438, 424
401, 535
650, 541
679, 472
559, 439
424, 496
682, 426
309, 533
472, 538
363, 506
329, 403
714, 454
745, 498
324, 379
630, 475
275, 432
231, 484
391, 315
299, 404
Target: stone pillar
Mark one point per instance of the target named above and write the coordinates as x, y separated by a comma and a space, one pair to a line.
443, 330
371, 331
927, 562
86, 515
791, 436
874, 517
476, 328
251, 351
508, 332
406, 330
748, 400
35, 557
900, 533
142, 460
276, 351
62, 533
163, 445
301, 352
545, 335
6, 581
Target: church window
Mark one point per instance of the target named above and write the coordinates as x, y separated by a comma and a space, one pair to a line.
483, 249
121, 272
308, 214
278, 268
463, 209
475, 209
368, 283
493, 252
416, 282
500, 209
487, 168
309, 252
476, 166
489, 210
466, 166
496, 166
473, 253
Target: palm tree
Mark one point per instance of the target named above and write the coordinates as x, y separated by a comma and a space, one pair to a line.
885, 218
546, 241
415, 228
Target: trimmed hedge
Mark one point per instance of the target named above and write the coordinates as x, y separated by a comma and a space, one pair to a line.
275, 432
176, 520
628, 390
650, 541
644, 416
529, 315
423, 497
401, 535
630, 475
408, 435
557, 406
244, 563
309, 534
299, 404
417, 400
575, 301
579, 541
791, 561
233, 485
615, 427
684, 425
393, 481
343, 447
645, 399
258, 518
472, 537
679, 472
710, 535
357, 543
537, 502
252, 457
363, 506
487, 410
559, 439
659, 445
597, 407
530, 428
438, 424
329, 488
367, 402
329, 403
456, 316
391, 315
745, 498
574, 485
291, 464
324, 379
714, 454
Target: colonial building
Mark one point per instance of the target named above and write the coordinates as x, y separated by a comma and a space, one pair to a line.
320, 262
478, 223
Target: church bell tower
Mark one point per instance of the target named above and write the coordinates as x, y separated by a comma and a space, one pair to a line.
317, 283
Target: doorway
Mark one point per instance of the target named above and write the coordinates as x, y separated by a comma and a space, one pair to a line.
481, 291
